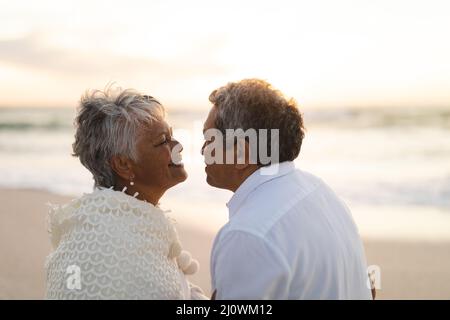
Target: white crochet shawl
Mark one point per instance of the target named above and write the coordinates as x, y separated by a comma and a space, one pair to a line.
109, 245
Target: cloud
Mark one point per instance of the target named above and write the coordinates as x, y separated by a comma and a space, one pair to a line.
32, 52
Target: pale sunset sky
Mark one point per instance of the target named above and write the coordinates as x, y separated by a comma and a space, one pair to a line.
323, 53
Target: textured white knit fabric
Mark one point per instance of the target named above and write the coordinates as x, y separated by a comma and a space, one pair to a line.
122, 248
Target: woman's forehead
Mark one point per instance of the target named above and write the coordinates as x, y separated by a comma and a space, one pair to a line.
155, 128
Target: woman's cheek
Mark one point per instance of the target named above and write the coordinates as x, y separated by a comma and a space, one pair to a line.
168, 154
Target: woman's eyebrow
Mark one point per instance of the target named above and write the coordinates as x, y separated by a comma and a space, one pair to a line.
162, 133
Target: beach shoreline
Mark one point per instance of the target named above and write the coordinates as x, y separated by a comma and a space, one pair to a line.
409, 269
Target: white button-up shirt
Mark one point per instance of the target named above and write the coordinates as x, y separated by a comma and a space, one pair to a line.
288, 237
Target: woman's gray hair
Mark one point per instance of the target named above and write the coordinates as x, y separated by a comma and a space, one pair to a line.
108, 124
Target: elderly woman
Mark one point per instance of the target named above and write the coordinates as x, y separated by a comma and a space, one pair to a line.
116, 243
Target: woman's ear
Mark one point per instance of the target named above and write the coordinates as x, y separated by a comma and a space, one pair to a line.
122, 166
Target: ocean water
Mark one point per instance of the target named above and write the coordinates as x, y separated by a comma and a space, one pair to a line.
391, 166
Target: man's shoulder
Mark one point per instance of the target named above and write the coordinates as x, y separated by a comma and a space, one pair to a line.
297, 182
270, 202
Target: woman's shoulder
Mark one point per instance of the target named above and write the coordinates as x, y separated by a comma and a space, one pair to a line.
105, 211
113, 218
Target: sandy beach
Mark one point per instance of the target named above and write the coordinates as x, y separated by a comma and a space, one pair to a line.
409, 270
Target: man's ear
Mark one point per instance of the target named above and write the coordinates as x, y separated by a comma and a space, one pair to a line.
122, 166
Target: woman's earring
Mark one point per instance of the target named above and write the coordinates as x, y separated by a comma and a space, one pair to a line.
131, 182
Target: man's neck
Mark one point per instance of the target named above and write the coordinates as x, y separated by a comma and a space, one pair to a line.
243, 176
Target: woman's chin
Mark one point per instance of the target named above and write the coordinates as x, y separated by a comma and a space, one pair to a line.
179, 174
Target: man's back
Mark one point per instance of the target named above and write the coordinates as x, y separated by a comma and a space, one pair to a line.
289, 237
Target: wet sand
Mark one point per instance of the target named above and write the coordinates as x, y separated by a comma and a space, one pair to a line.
409, 270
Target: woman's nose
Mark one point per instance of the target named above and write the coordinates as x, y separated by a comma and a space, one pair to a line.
176, 143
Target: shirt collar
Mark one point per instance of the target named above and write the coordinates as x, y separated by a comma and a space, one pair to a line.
257, 178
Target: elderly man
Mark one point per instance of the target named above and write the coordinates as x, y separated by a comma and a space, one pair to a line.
288, 236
